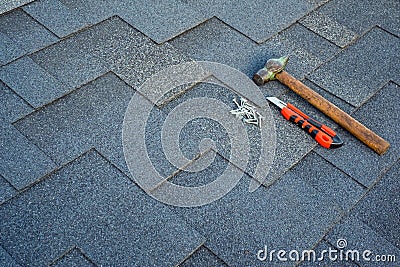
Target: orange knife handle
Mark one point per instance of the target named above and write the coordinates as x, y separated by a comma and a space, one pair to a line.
298, 111
321, 137
317, 124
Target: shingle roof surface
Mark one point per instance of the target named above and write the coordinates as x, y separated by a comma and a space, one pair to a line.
68, 70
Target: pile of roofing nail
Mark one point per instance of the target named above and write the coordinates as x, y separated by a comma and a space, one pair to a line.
246, 112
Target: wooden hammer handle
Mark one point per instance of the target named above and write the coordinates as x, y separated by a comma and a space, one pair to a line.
362, 133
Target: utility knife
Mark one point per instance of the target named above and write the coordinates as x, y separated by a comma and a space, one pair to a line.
324, 135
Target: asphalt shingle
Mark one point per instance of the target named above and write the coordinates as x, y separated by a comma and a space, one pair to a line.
262, 21
110, 45
92, 11
188, 146
356, 159
6, 260
71, 61
6, 190
73, 258
8, 49
66, 195
203, 257
329, 28
201, 177
55, 16
7, 5
193, 133
342, 75
379, 209
129, 53
309, 41
22, 162
155, 152
89, 117
208, 42
13, 107
360, 17
358, 236
25, 32
241, 223
259, 140
217, 130
90, 204
343, 105
159, 20
330, 181
31, 82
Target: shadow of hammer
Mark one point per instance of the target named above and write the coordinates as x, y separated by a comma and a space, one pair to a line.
273, 70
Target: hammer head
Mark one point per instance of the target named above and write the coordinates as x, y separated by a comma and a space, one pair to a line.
272, 67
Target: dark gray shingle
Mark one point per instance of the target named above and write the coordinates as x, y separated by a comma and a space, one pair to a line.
32, 82
22, 161
328, 180
159, 20
361, 237
361, 69
329, 28
74, 257
379, 209
361, 16
55, 16
6, 190
25, 32
13, 107
72, 60
203, 257
6, 260
8, 49
91, 204
89, 117
355, 158
257, 20
242, 222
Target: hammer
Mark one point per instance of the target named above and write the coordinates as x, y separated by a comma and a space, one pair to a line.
274, 70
